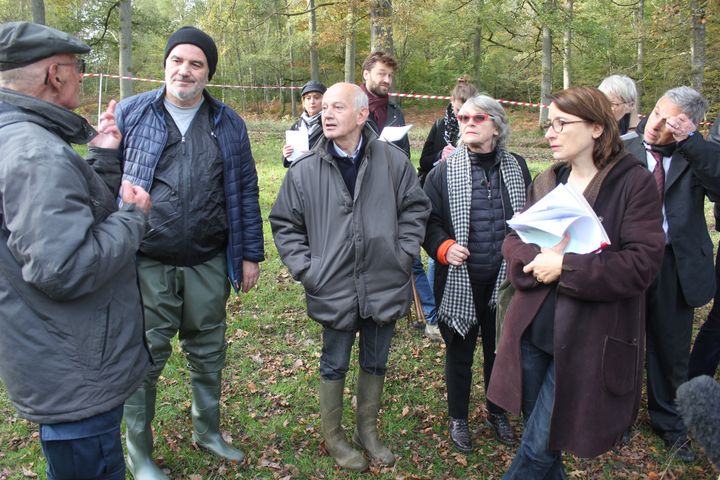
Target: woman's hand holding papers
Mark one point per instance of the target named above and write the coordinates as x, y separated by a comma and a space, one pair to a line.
547, 265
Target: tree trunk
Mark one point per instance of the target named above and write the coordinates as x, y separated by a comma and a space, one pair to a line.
697, 48
381, 34
126, 87
546, 86
38, 11
640, 28
314, 58
293, 102
477, 52
350, 43
567, 45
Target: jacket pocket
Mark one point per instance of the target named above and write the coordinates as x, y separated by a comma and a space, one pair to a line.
309, 280
619, 366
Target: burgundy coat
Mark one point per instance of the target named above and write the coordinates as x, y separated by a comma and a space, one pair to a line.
599, 337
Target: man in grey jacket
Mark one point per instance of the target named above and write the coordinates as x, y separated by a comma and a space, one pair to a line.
71, 349
348, 221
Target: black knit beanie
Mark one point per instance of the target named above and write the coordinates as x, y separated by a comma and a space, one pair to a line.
198, 38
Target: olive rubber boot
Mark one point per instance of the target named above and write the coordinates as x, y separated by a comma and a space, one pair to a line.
138, 412
369, 393
331, 410
206, 416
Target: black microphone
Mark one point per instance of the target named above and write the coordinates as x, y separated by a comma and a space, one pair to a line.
698, 401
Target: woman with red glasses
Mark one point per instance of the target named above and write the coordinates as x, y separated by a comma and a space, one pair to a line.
473, 193
571, 351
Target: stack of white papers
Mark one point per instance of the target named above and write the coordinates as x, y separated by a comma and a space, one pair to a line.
560, 211
298, 140
393, 134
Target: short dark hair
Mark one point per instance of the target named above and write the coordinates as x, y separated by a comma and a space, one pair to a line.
593, 106
381, 57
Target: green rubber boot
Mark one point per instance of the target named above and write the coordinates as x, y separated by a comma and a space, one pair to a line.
138, 412
206, 416
369, 393
331, 410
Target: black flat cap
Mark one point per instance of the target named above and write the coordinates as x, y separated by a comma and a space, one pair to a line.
23, 43
312, 86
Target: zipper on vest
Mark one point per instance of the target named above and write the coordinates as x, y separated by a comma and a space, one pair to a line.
182, 140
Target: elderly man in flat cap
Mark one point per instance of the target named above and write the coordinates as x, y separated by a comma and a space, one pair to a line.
205, 234
71, 348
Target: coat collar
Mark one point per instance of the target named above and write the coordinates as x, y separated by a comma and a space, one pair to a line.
68, 125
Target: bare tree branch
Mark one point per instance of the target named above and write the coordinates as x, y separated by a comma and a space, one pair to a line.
308, 10
105, 24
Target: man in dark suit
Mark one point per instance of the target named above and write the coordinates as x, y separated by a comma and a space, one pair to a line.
705, 355
686, 169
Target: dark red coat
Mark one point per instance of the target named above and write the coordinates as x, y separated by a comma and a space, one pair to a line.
599, 317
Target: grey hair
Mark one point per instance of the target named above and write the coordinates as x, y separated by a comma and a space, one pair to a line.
361, 100
690, 101
620, 85
497, 113
25, 78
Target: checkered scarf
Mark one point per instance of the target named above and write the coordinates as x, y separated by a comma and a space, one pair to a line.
457, 309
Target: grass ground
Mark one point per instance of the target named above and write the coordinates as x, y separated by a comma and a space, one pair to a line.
270, 400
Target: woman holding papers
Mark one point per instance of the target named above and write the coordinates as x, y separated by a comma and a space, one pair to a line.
571, 351
308, 123
473, 193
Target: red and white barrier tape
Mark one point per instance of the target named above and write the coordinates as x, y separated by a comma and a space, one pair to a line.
404, 95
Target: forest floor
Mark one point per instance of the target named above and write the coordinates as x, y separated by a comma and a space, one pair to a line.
270, 404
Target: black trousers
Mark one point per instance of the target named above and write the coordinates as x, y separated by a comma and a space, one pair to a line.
460, 352
669, 329
705, 355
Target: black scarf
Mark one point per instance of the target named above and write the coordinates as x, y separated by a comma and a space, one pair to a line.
452, 129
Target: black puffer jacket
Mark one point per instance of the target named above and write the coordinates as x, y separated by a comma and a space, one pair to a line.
487, 220
440, 228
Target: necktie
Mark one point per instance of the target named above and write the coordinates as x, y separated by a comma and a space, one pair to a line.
659, 173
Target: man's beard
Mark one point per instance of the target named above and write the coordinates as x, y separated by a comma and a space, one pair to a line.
183, 95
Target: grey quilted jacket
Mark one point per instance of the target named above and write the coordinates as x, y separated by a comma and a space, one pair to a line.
72, 342
352, 255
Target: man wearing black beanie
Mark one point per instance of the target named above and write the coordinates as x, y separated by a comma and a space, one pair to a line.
192, 153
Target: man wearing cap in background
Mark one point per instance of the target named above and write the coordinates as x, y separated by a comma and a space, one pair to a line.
71, 349
193, 154
309, 122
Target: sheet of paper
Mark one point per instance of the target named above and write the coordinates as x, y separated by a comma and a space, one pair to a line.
299, 141
393, 134
560, 211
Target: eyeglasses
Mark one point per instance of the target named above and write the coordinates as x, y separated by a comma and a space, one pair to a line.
558, 124
618, 104
477, 118
79, 65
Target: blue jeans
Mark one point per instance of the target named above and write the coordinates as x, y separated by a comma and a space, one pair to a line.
431, 272
425, 291
534, 460
89, 449
374, 349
